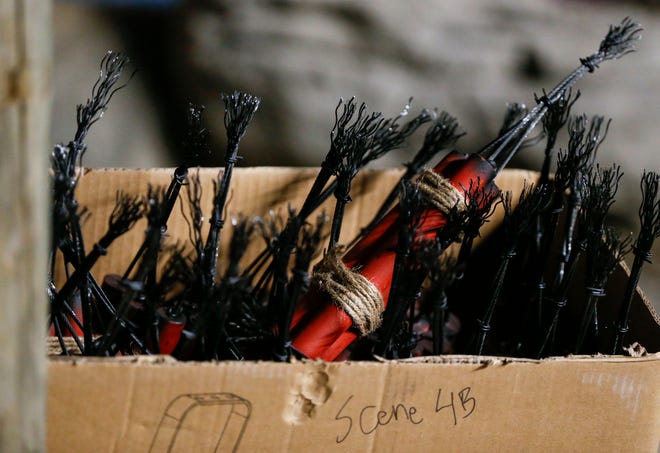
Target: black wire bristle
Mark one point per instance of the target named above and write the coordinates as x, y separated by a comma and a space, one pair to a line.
198, 299
193, 215
412, 206
342, 121
179, 281
376, 137
64, 206
67, 215
395, 335
649, 211
243, 229
362, 128
601, 188
649, 216
516, 223
272, 225
620, 39
367, 138
558, 114
441, 270
513, 117
573, 165
308, 245
128, 210
284, 234
584, 139
273, 229
196, 140
479, 205
176, 277
337, 137
309, 241
392, 135
110, 72
514, 113
442, 134
346, 171
349, 131
556, 118
239, 110
454, 226
59, 159
581, 150
357, 139
573, 207
155, 205
604, 253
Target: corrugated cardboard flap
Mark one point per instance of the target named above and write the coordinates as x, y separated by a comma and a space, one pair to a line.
563, 404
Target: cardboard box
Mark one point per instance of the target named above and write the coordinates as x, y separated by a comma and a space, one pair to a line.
449, 403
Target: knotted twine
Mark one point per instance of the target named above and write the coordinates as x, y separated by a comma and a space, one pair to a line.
439, 192
353, 293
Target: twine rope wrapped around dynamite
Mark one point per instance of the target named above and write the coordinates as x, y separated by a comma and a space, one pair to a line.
354, 293
439, 192
351, 292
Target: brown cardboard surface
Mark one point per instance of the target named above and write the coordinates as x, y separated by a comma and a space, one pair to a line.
254, 191
441, 404
142, 405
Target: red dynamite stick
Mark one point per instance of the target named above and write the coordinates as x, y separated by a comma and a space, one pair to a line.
77, 309
308, 306
170, 333
325, 332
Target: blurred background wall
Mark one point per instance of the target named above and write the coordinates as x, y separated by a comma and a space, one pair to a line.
468, 57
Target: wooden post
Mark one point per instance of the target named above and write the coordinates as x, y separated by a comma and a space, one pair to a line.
25, 65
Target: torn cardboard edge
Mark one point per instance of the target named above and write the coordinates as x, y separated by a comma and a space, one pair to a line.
642, 295
457, 359
155, 404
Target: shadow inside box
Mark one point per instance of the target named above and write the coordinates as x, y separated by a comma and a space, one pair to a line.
520, 323
650, 278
